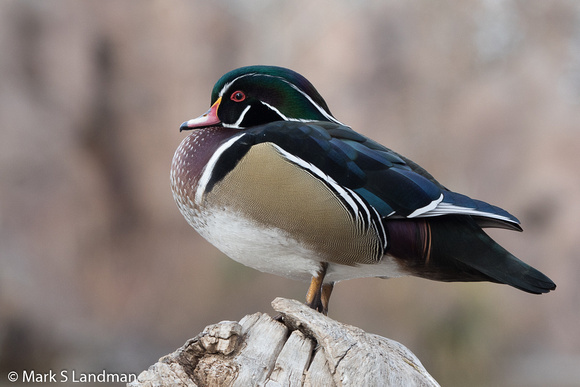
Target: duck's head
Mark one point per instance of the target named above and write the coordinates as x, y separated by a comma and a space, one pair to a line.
257, 95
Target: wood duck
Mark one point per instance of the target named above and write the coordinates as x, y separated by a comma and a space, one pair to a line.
275, 182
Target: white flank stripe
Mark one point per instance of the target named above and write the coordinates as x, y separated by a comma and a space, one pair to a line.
363, 205
382, 231
208, 170
447, 208
312, 168
429, 207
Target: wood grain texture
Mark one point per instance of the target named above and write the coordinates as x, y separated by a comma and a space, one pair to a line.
305, 349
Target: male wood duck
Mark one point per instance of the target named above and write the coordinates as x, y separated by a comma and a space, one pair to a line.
275, 182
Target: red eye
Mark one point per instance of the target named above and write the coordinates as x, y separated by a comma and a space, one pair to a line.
238, 96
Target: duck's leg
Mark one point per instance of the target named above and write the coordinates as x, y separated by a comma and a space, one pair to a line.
325, 296
318, 292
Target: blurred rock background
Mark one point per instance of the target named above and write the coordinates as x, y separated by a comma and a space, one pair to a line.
98, 270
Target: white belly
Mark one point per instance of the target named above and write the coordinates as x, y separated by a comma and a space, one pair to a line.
271, 250
250, 222
266, 249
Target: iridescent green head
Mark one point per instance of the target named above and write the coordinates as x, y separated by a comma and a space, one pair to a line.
257, 95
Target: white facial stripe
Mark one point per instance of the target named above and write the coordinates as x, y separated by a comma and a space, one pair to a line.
276, 110
318, 107
283, 116
227, 85
236, 125
208, 170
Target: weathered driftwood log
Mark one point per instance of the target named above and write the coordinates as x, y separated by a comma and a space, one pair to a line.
305, 349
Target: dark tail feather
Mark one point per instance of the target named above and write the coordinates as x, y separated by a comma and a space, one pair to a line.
455, 248
462, 240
